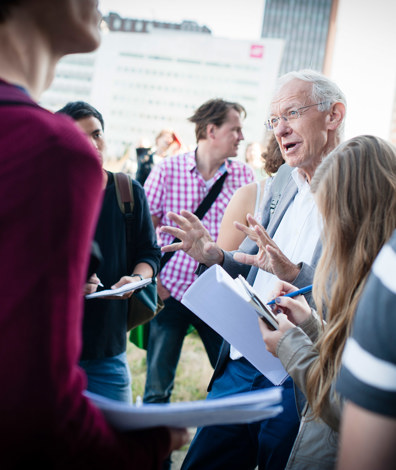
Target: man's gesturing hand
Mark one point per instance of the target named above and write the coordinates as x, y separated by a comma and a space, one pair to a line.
269, 257
195, 240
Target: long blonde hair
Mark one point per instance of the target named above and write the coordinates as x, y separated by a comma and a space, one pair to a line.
355, 189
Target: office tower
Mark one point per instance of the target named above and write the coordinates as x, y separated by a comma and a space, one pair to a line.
305, 26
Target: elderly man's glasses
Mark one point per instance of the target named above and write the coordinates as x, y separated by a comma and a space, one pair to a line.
290, 115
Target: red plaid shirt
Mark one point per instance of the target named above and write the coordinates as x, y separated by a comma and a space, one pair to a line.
176, 184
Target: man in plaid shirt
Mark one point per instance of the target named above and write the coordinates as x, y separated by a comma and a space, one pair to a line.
182, 182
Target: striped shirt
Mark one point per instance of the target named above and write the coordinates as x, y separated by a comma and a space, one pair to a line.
368, 373
176, 184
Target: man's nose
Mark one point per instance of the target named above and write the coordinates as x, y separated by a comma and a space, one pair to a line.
282, 128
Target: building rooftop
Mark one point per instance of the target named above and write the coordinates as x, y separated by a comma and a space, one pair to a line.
116, 23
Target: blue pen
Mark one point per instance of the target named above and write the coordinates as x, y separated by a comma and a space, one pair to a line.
304, 290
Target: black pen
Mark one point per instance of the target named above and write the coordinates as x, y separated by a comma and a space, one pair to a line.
304, 290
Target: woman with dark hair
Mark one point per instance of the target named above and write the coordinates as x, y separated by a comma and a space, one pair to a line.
249, 198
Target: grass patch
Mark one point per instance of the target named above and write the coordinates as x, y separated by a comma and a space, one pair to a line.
192, 375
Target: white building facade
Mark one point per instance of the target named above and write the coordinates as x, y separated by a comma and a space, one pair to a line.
142, 83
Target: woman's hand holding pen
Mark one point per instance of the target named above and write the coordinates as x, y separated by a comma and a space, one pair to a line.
290, 312
296, 309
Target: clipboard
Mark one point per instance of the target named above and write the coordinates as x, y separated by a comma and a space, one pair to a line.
262, 310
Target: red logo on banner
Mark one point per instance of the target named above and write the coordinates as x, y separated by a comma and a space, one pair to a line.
257, 51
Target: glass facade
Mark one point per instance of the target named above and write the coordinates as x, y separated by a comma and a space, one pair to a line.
304, 24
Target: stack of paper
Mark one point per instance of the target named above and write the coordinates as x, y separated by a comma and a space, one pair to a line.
242, 408
222, 303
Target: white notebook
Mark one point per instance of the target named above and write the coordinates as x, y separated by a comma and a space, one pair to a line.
224, 304
131, 286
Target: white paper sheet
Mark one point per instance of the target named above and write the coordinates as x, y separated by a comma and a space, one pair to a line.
241, 408
217, 299
131, 286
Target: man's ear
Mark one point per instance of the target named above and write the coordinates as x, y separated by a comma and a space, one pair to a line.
210, 131
336, 115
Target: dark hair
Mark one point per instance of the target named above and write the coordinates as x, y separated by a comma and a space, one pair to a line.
272, 156
79, 110
5, 6
213, 112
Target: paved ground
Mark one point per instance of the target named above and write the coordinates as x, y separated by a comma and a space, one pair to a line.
177, 459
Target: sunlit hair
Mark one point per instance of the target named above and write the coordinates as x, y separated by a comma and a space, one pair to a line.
163, 132
214, 111
324, 90
355, 189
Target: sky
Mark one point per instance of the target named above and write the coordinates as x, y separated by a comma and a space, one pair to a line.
364, 60
233, 19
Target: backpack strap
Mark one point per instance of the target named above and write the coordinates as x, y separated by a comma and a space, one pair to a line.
201, 210
124, 191
280, 180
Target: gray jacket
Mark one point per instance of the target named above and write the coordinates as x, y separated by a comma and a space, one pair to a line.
270, 221
316, 443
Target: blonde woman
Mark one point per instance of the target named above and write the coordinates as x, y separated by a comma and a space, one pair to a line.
355, 190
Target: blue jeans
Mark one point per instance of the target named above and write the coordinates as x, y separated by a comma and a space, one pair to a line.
265, 443
109, 377
166, 336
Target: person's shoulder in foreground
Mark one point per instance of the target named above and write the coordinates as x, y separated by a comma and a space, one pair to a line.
50, 192
368, 374
50, 198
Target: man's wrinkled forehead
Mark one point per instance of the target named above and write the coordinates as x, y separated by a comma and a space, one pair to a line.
293, 94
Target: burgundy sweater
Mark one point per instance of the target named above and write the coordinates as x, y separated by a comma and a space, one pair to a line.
50, 196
